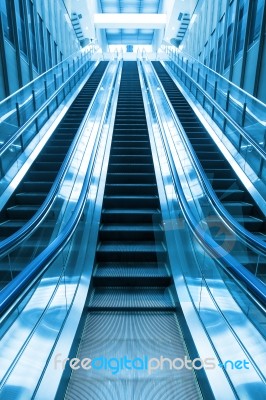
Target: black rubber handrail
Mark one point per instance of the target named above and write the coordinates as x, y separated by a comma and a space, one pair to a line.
35, 270
254, 242
256, 287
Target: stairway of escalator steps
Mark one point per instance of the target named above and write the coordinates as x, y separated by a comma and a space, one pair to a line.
227, 186
34, 187
132, 306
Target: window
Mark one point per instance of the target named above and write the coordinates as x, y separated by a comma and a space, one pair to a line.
220, 44
55, 53
41, 44
219, 54
32, 35
5, 8
20, 13
241, 27
229, 34
211, 59
49, 50
256, 20
229, 43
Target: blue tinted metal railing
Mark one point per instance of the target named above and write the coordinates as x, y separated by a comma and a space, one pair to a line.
15, 239
228, 262
254, 242
34, 271
23, 114
240, 116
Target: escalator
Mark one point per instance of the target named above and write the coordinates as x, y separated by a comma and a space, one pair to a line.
33, 189
226, 184
131, 309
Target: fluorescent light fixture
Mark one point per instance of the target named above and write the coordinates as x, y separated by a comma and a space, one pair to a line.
193, 19
130, 21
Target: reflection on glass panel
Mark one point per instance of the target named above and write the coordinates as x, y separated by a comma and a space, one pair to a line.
32, 35
49, 52
5, 8
256, 20
228, 45
220, 44
55, 53
20, 15
229, 38
211, 59
41, 44
219, 54
241, 27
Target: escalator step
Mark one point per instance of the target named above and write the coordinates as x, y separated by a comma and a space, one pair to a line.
126, 159
125, 232
209, 155
46, 166
225, 183
122, 215
131, 151
218, 173
131, 168
24, 212
37, 186
42, 175
135, 251
131, 190
131, 143
131, 270
55, 149
51, 157
249, 222
131, 201
130, 178
238, 208
30, 198
131, 298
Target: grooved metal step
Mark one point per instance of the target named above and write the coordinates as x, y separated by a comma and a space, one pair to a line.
131, 298
129, 216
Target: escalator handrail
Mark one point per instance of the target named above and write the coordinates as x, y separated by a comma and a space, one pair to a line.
254, 242
70, 57
256, 287
27, 229
242, 132
25, 280
37, 113
221, 77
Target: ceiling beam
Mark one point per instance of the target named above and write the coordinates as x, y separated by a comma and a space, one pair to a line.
130, 21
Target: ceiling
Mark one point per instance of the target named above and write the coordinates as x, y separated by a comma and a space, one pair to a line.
163, 21
130, 36
130, 6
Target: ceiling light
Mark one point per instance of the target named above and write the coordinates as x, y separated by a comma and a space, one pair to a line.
193, 19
